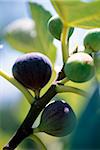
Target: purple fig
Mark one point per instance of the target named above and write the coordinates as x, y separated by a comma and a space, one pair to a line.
33, 70
57, 119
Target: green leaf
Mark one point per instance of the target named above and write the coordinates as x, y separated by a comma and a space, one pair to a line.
20, 34
78, 13
71, 30
87, 134
41, 17
29, 35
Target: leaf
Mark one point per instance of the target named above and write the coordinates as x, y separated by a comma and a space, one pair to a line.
41, 17
78, 14
20, 34
29, 35
71, 30
87, 134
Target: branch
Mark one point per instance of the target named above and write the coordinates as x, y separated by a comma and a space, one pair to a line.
26, 127
63, 88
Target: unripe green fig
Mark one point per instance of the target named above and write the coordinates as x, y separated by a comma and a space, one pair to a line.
33, 70
55, 27
92, 41
79, 67
57, 119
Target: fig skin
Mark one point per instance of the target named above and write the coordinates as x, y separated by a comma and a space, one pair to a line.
55, 27
79, 67
92, 41
33, 70
57, 119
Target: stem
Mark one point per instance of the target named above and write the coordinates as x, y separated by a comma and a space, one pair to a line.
63, 81
37, 94
36, 130
62, 88
61, 74
14, 82
64, 43
38, 141
26, 127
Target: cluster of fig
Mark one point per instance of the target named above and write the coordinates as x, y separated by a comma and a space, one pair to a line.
33, 70
80, 67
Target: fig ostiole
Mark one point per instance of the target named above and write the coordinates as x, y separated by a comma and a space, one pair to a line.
79, 67
57, 119
33, 70
92, 41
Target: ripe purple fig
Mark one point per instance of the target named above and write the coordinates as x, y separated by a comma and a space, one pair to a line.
33, 70
57, 119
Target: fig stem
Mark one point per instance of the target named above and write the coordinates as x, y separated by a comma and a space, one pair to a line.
63, 88
37, 94
38, 141
36, 130
63, 81
14, 82
64, 44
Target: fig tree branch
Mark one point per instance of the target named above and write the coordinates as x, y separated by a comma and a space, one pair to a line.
26, 127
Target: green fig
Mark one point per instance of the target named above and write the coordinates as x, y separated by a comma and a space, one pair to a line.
79, 67
55, 27
92, 41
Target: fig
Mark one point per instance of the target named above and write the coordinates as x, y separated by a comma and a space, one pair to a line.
79, 67
33, 70
55, 26
57, 119
92, 41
